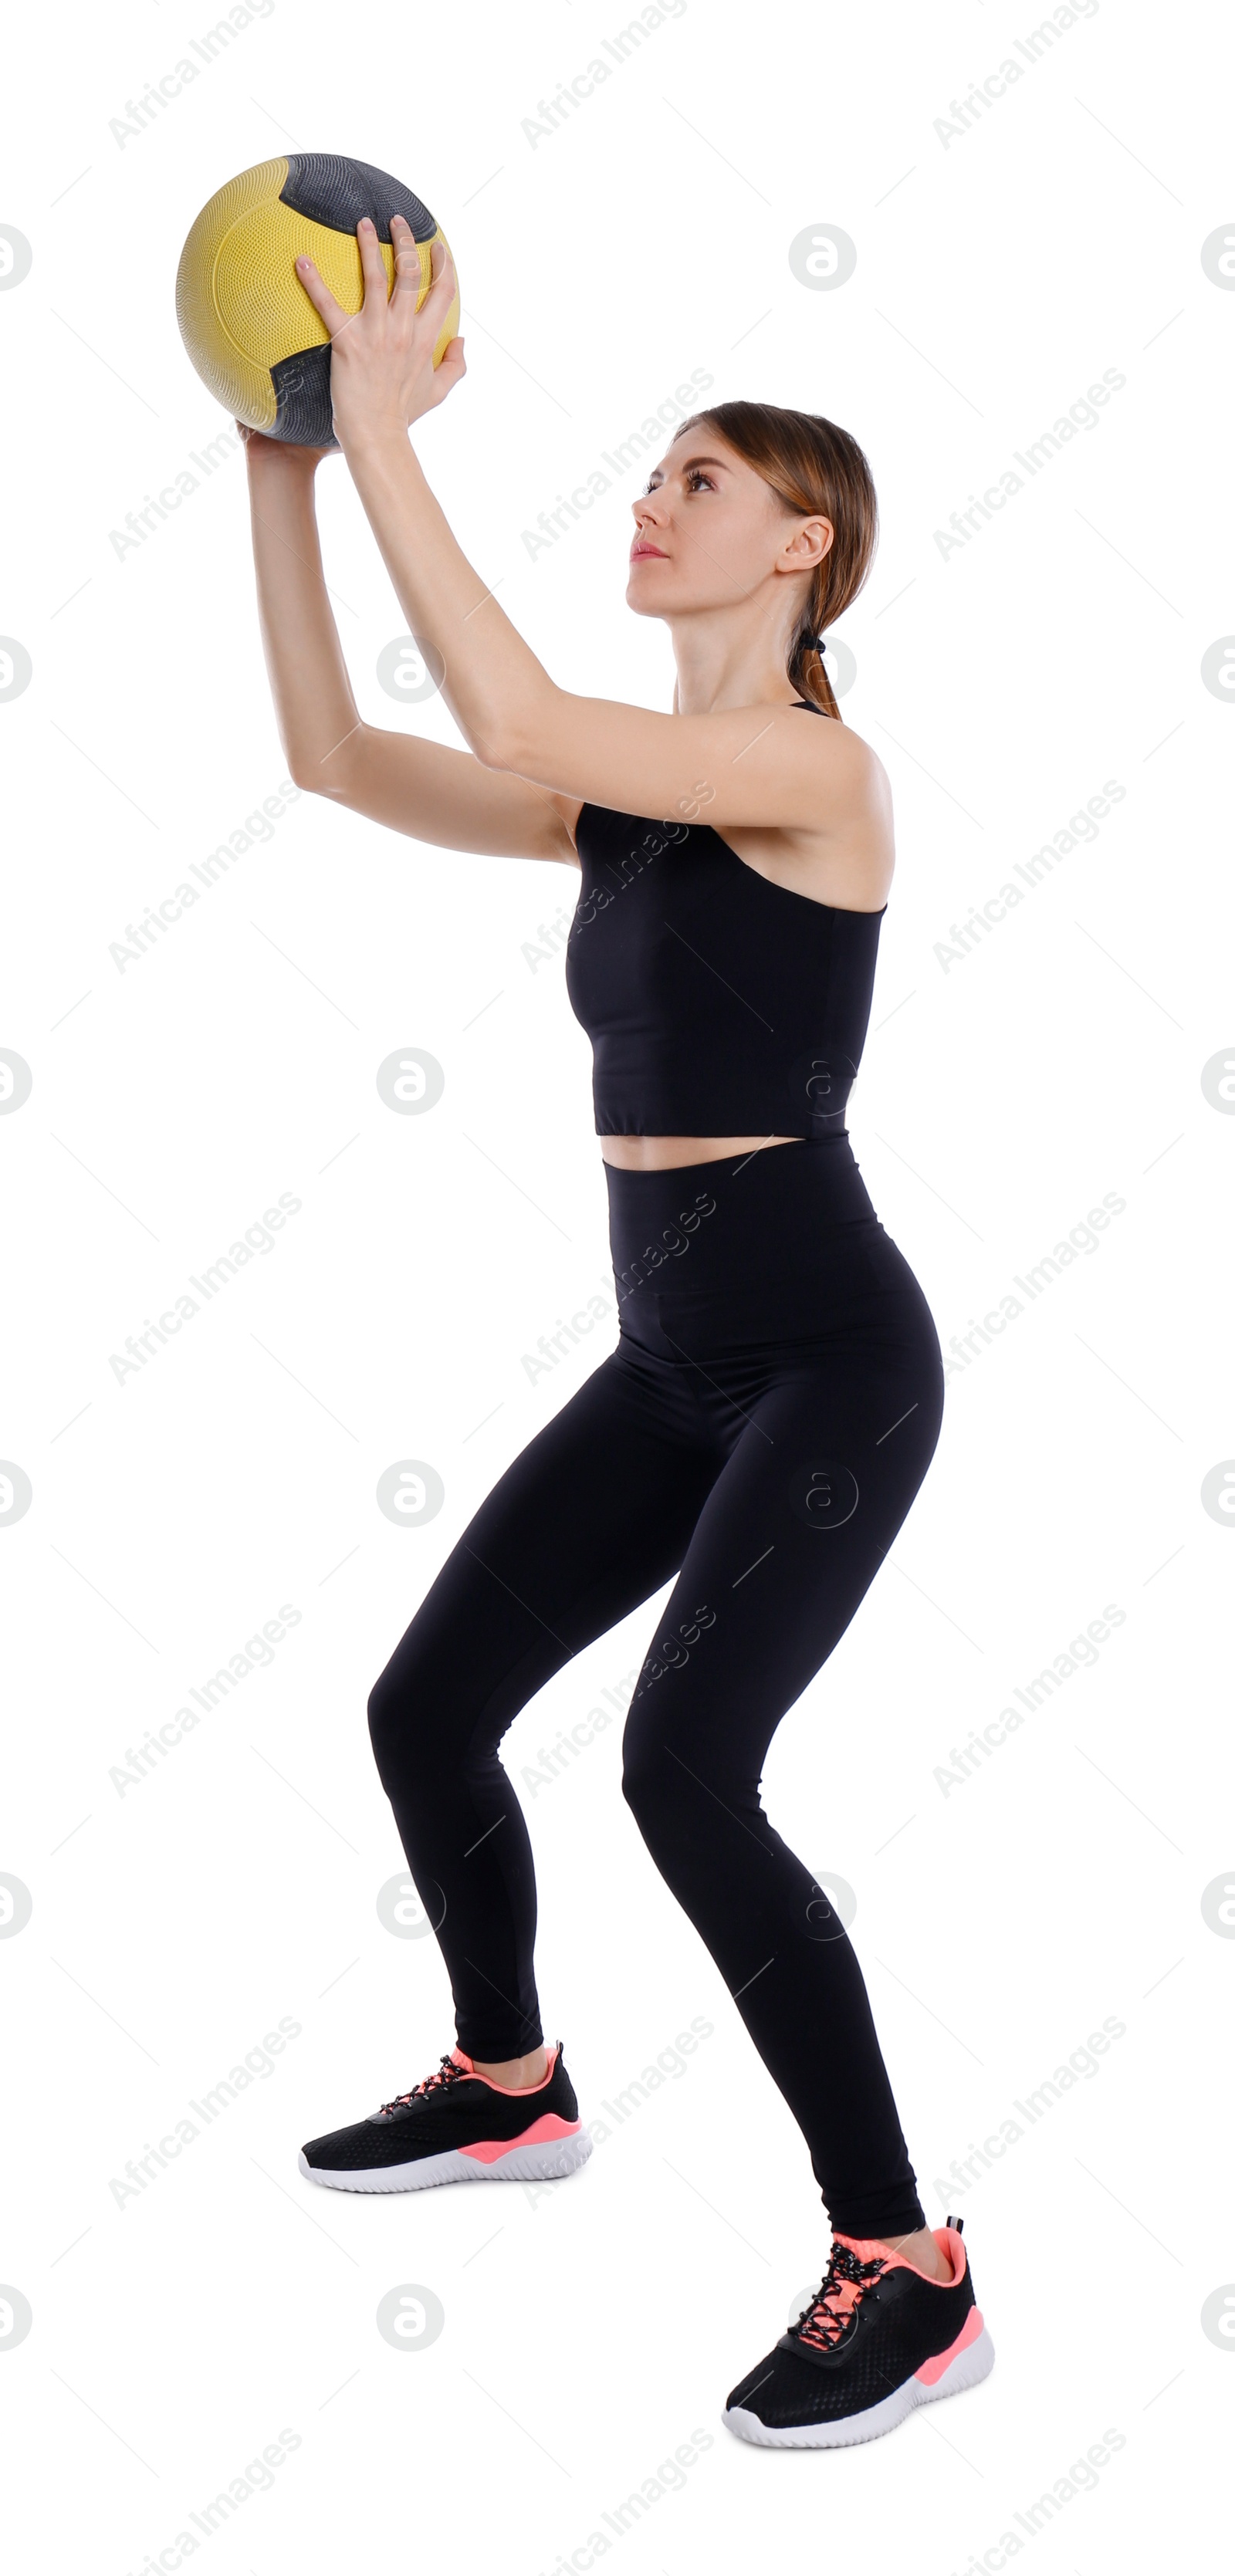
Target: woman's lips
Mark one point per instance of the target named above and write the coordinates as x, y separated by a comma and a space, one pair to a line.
637, 553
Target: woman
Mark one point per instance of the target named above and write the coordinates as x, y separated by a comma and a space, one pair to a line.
775, 1398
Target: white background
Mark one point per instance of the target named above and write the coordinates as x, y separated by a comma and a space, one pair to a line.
589, 2331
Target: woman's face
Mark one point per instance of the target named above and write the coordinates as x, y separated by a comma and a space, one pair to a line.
709, 531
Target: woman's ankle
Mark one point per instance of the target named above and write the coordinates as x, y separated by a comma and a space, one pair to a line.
516, 2074
923, 2251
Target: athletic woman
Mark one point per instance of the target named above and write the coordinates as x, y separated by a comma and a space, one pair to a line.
775, 1398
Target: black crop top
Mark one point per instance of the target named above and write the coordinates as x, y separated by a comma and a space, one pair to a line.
718, 1003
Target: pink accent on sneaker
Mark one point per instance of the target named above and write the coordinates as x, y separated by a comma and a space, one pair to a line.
870, 2250
934, 2368
511, 2091
549, 2125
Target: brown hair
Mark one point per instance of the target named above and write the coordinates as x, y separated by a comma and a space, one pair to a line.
813, 467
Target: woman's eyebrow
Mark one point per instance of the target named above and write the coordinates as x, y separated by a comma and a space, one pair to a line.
686, 467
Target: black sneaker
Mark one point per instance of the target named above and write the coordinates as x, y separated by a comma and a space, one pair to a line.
457, 2127
877, 2340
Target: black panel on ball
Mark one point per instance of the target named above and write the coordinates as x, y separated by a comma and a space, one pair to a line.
302, 390
332, 190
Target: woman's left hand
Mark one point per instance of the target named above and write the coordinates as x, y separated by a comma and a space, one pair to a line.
382, 375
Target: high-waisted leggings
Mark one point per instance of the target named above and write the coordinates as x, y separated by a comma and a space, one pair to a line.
759, 1434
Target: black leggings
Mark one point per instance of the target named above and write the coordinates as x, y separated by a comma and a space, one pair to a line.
760, 1432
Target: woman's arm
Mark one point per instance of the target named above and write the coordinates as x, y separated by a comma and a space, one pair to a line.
422, 788
747, 768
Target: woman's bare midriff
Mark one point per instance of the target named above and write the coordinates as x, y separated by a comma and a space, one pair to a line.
665, 1153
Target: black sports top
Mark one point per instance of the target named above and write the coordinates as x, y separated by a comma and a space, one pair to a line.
718, 1003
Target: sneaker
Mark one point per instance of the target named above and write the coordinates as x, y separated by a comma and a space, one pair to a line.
457, 2126
877, 2340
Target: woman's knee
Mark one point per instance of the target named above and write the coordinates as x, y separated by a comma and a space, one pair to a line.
655, 1780
426, 1729
383, 1720
693, 1810
398, 1713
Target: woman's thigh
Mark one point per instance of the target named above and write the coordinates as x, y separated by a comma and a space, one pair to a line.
787, 1543
589, 1520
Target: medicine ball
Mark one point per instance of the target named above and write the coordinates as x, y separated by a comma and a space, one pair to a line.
245, 319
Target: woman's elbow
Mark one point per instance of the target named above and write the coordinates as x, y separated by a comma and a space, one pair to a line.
515, 737
318, 776
494, 746
311, 783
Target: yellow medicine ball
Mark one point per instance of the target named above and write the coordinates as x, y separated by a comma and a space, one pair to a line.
244, 317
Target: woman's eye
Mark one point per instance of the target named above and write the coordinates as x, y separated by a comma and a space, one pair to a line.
694, 477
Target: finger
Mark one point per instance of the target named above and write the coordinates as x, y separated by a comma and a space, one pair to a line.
444, 284
320, 297
451, 366
372, 264
407, 257
447, 373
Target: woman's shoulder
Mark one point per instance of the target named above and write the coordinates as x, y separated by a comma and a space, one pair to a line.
849, 857
851, 763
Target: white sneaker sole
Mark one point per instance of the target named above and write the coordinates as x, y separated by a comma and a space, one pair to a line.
977, 2360
549, 2161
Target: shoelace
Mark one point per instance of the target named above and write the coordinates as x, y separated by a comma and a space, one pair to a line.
447, 2073
845, 2281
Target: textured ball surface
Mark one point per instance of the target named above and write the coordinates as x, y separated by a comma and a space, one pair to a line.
245, 319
